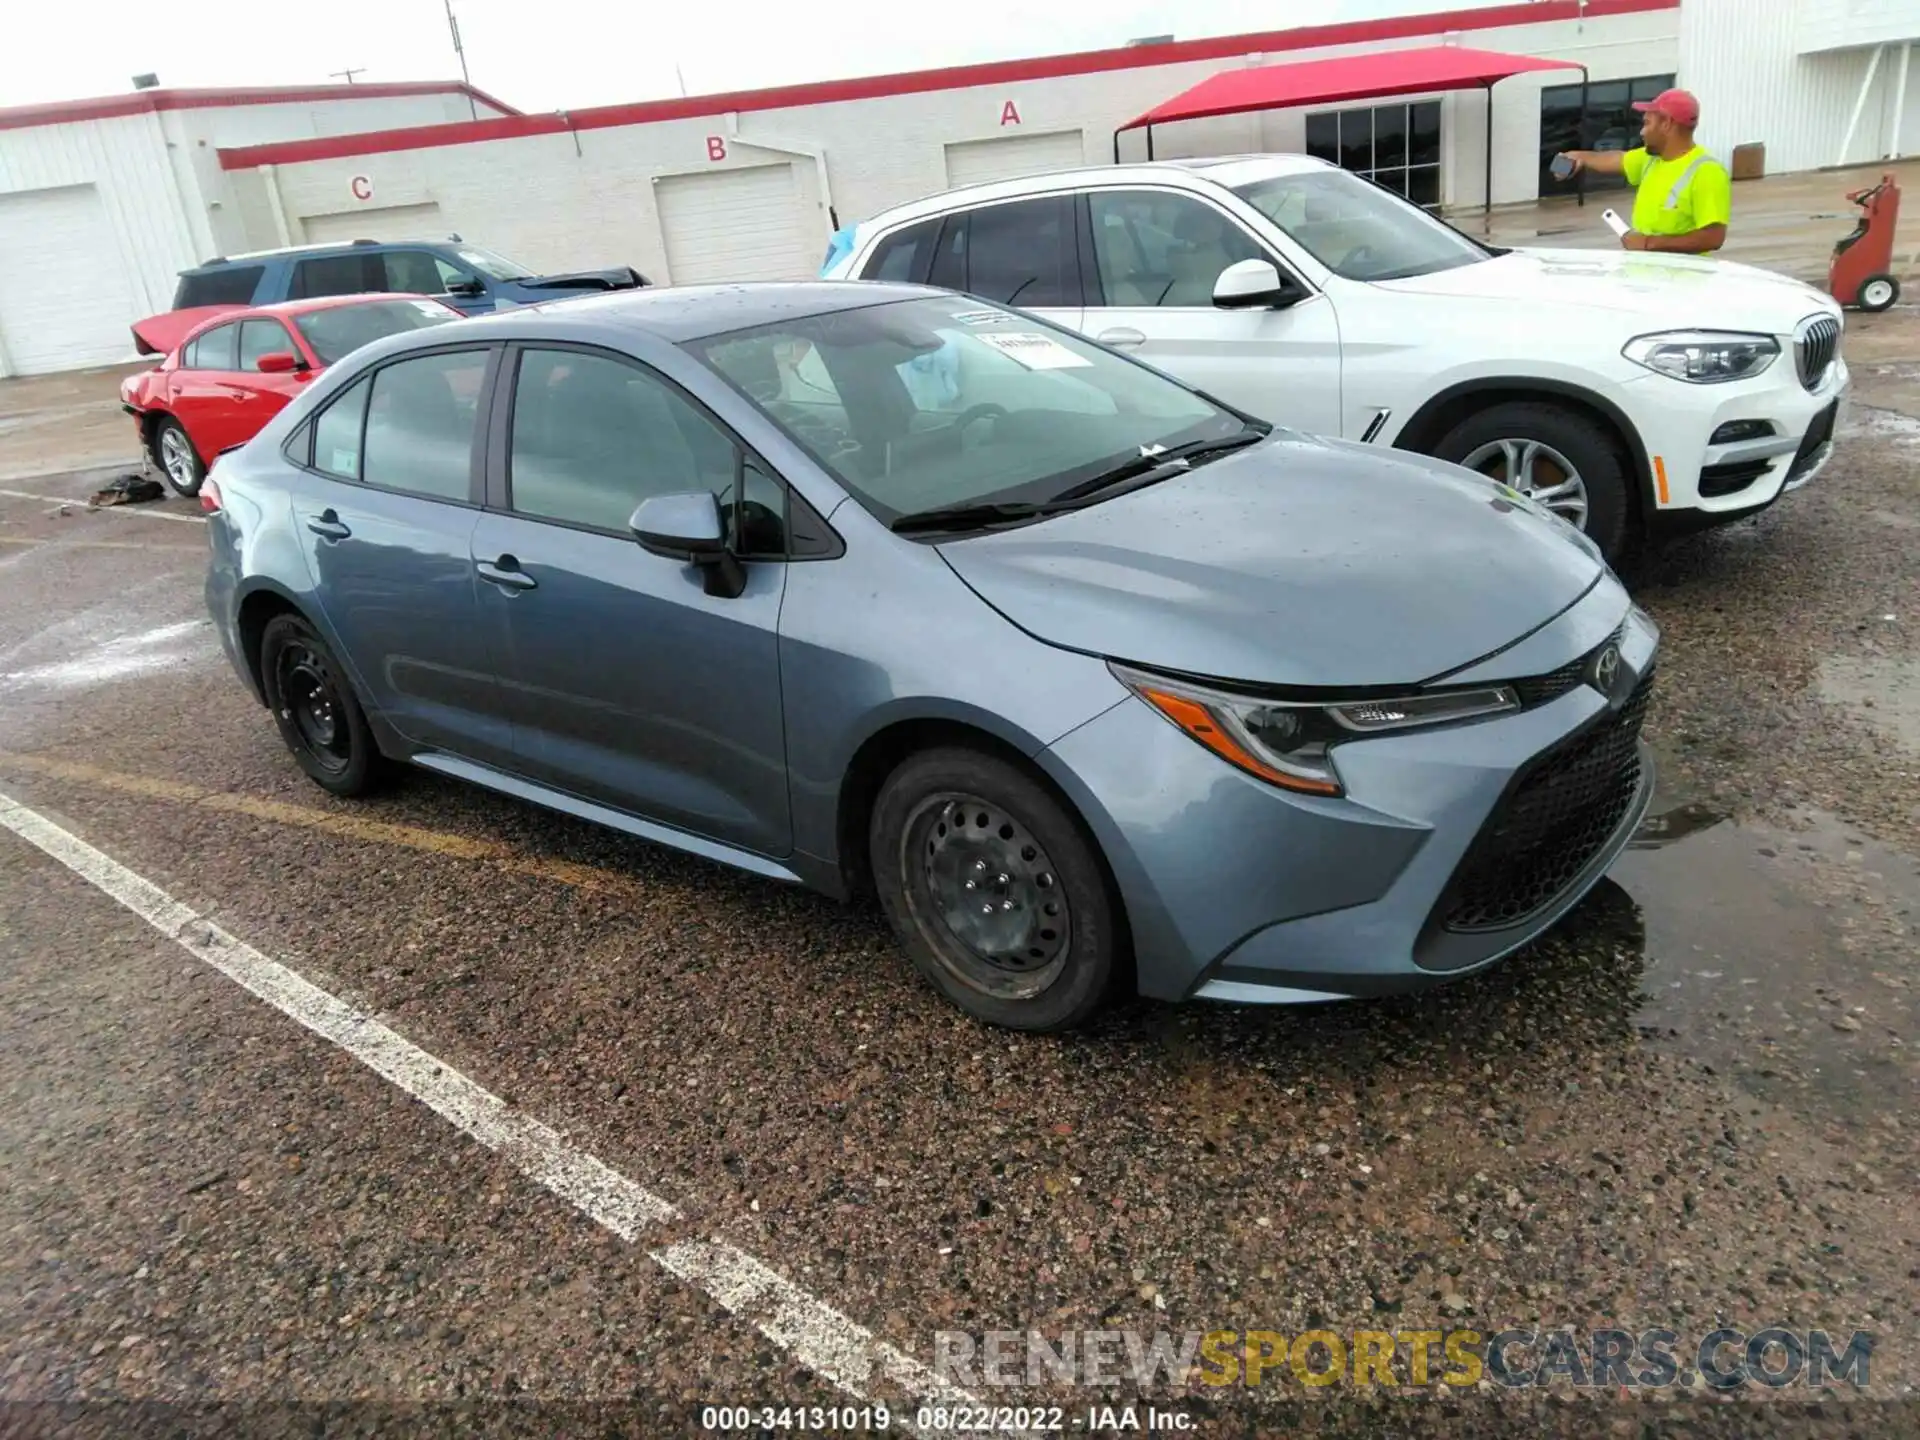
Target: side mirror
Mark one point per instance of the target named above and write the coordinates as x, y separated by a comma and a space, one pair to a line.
1255, 284
279, 362
688, 527
465, 287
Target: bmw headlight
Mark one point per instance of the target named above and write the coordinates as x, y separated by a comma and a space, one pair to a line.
1291, 743
1704, 357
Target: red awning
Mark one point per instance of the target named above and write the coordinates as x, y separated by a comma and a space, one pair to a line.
1350, 77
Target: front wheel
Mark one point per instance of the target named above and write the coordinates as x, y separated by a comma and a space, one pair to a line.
1558, 457
994, 890
319, 716
178, 460
1879, 292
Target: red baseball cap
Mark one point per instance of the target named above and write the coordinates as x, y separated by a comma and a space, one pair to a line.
1678, 106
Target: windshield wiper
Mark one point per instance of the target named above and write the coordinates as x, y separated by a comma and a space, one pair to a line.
972, 517
1149, 460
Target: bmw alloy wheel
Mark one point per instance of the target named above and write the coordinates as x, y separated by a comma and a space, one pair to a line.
1539, 472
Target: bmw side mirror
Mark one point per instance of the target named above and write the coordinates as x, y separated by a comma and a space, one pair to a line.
1255, 284
689, 527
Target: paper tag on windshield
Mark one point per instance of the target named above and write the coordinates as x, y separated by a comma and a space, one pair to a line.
1036, 352
981, 317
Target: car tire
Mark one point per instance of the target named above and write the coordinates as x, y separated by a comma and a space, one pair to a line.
1487, 440
954, 823
177, 460
313, 703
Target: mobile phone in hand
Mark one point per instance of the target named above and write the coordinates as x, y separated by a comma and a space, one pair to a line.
1614, 222
1562, 167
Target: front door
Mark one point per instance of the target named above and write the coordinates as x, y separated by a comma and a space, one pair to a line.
386, 516
1157, 254
206, 394
629, 684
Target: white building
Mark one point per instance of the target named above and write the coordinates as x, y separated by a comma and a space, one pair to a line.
103, 202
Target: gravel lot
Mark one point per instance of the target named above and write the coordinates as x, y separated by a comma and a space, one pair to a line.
1693, 1105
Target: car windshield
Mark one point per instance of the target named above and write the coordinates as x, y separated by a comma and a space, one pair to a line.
927, 404
1356, 229
494, 267
339, 330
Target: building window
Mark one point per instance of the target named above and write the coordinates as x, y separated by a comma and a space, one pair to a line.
1607, 121
1397, 146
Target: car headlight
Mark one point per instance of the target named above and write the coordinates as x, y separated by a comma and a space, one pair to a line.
1290, 743
1704, 357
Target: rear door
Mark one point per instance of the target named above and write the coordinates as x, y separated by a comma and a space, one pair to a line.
1018, 252
1154, 256
386, 513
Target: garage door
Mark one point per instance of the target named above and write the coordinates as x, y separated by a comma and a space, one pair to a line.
732, 225
974, 162
65, 298
376, 222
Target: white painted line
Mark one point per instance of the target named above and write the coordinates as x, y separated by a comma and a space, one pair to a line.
81, 504
812, 1331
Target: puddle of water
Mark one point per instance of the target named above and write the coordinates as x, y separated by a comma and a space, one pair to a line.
1882, 424
1782, 957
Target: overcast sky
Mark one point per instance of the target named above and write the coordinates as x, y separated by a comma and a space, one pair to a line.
553, 54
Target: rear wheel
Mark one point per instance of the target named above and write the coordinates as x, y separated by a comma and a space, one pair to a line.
173, 452
1879, 292
996, 893
319, 717
1559, 457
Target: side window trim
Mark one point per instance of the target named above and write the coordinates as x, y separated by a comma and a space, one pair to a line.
1090, 265
477, 451
498, 465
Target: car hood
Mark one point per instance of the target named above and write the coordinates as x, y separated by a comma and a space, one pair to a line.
621, 277
1300, 561
1688, 290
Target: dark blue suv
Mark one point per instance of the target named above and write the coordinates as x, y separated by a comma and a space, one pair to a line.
467, 277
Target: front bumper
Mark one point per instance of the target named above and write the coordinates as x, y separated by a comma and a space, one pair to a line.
1696, 480
1236, 890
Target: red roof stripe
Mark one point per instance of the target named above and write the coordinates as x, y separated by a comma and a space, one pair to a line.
999, 72
144, 102
1347, 77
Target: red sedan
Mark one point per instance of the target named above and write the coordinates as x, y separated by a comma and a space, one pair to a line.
230, 369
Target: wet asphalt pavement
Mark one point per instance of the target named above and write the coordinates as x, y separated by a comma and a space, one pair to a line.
1693, 1104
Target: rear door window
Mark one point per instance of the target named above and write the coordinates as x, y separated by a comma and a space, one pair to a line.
420, 419
1023, 253
218, 349
350, 274
232, 285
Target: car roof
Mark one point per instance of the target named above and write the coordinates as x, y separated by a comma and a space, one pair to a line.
331, 247
1226, 170
677, 313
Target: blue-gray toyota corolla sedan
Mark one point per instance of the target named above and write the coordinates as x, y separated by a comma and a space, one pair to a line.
1092, 679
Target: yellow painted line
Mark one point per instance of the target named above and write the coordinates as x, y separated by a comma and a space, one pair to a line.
346, 827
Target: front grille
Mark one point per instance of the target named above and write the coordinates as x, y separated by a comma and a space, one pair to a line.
1550, 825
1815, 349
1539, 689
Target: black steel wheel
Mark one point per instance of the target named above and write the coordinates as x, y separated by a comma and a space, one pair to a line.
996, 892
313, 703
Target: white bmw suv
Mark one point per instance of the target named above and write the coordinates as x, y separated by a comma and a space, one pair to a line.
1630, 393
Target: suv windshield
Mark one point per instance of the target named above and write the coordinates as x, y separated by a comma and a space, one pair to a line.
918, 405
336, 332
1356, 229
494, 267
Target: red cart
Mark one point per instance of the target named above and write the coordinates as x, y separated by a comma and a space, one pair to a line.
1861, 275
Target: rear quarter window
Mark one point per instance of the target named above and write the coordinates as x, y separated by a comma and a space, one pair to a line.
233, 285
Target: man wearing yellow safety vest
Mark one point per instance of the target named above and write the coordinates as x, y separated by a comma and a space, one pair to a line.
1684, 196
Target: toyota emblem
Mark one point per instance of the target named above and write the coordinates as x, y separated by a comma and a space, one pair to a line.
1606, 668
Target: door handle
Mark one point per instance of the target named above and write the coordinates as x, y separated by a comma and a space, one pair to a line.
506, 573
1122, 337
327, 526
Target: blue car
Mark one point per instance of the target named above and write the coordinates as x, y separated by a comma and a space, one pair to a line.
470, 278
1095, 682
